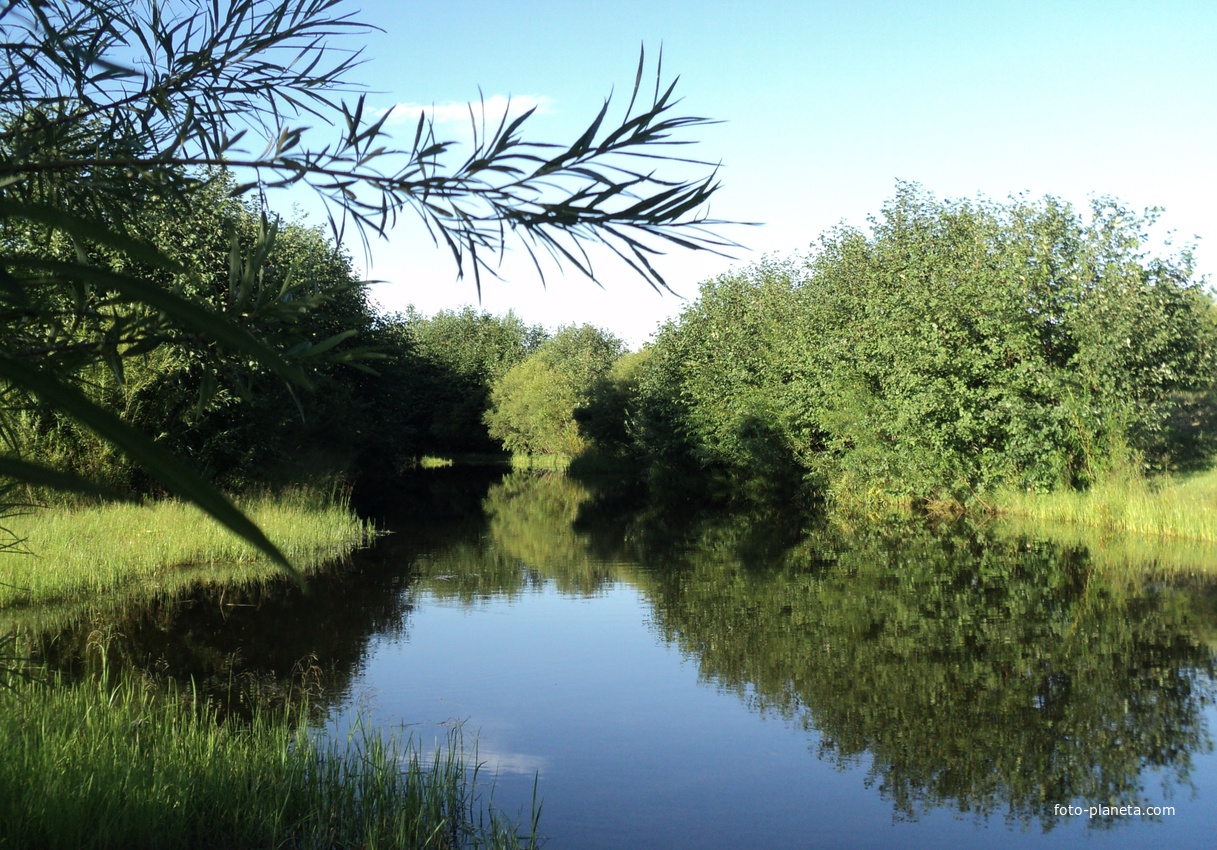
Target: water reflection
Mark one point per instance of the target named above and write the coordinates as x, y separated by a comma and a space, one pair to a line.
981, 673
974, 673
965, 670
242, 647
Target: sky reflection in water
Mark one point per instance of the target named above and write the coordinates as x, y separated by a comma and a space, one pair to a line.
716, 691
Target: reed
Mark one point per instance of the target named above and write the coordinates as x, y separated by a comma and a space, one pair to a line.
1179, 506
67, 552
432, 462
1117, 554
88, 765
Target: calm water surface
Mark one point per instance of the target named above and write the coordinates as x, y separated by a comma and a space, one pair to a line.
674, 679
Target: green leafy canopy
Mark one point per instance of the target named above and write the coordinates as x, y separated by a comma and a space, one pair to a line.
107, 106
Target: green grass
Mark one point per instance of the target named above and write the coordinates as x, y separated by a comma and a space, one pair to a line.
543, 463
74, 552
1117, 553
87, 765
1180, 507
430, 462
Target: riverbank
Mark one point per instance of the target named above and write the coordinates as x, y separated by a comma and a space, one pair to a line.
64, 552
1178, 507
136, 761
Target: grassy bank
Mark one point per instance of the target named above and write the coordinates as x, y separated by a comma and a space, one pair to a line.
540, 463
1180, 507
70, 552
1117, 553
87, 766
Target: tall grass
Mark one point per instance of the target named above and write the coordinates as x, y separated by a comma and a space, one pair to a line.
1115, 553
1181, 506
540, 463
68, 552
89, 765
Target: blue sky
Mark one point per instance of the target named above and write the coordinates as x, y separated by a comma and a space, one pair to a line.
824, 107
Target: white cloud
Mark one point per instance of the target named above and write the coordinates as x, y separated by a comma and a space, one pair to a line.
454, 112
480, 756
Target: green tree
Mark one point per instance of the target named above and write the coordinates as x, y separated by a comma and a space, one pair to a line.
234, 420
461, 355
963, 345
532, 408
607, 421
955, 347
105, 105
711, 394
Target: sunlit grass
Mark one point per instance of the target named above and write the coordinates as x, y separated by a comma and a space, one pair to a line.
1183, 506
1116, 552
541, 463
70, 552
89, 765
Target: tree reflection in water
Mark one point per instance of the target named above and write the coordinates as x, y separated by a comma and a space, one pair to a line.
971, 671
976, 672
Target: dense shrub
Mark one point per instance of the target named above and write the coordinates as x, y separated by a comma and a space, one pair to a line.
953, 347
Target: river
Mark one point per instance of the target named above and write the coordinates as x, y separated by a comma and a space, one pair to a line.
667, 676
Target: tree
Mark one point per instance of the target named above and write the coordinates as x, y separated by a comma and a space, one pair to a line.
607, 420
532, 409
713, 394
965, 345
462, 355
234, 421
105, 104
955, 347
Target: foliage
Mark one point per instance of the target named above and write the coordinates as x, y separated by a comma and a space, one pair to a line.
956, 347
108, 92
710, 394
107, 106
607, 420
532, 407
455, 358
234, 419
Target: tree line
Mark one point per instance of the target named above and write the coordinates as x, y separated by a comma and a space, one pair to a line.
114, 113
951, 348
158, 318
947, 350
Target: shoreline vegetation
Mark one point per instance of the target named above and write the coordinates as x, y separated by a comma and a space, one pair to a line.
69, 551
135, 765
135, 762
1171, 507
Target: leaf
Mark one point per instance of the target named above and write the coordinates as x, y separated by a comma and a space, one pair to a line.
191, 315
45, 476
176, 476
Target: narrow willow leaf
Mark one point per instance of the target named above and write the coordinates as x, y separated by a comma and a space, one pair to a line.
90, 231
191, 315
45, 476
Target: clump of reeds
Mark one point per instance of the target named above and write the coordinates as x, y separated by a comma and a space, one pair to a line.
432, 462
90, 765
